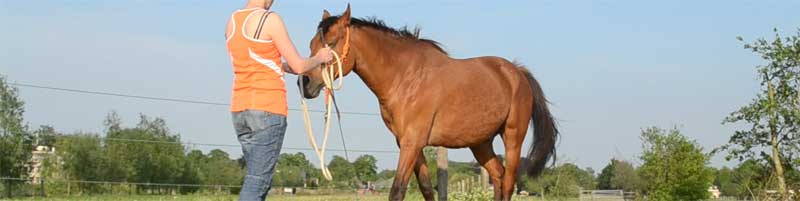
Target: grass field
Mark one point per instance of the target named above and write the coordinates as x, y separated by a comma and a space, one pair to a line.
412, 197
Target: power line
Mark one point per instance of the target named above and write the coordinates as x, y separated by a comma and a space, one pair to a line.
144, 183
192, 102
158, 98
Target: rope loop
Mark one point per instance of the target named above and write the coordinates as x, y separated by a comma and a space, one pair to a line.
328, 78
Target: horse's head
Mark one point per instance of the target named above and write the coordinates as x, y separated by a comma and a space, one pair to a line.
335, 32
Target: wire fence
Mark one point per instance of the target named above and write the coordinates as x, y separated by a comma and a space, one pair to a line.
140, 97
82, 91
30, 187
41, 186
31, 180
236, 145
178, 100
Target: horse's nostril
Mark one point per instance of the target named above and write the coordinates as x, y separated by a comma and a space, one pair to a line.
305, 80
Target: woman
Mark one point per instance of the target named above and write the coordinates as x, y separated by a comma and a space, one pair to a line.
257, 40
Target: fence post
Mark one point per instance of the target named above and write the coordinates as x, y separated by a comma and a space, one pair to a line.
8, 188
41, 182
441, 173
484, 179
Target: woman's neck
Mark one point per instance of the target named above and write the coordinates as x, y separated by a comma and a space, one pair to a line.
252, 5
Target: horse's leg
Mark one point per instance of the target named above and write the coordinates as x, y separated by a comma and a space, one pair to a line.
485, 155
408, 158
423, 179
513, 149
513, 135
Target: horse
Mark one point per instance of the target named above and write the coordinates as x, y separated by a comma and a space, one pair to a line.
428, 98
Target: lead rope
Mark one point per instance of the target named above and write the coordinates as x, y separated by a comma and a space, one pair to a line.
328, 76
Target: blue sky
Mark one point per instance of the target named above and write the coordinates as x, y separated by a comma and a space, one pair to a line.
610, 68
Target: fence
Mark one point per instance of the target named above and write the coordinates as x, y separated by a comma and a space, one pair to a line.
42, 186
603, 195
25, 187
164, 188
45, 187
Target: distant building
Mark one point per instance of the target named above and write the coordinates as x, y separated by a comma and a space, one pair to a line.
37, 160
714, 191
604, 195
774, 194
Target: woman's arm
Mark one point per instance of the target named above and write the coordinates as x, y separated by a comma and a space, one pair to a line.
276, 30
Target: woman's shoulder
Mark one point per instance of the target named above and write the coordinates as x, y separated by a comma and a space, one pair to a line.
271, 16
274, 20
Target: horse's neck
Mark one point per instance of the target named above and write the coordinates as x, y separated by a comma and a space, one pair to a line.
386, 63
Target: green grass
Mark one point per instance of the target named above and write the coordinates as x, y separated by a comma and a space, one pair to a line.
209, 198
135, 198
410, 196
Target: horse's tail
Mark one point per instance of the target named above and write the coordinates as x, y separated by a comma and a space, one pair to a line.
545, 132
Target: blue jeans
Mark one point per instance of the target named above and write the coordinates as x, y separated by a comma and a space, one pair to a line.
261, 135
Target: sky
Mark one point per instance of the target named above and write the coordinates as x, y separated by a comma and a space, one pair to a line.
610, 68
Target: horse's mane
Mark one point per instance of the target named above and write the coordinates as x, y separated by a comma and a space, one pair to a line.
377, 24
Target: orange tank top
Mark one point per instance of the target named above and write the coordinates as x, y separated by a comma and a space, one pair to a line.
258, 82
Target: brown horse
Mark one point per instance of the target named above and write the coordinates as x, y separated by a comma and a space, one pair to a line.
429, 99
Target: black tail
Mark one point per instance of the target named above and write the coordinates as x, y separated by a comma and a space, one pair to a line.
545, 132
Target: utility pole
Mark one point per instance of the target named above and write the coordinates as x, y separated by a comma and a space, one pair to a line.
441, 173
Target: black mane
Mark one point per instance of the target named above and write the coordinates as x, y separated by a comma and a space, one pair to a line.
379, 25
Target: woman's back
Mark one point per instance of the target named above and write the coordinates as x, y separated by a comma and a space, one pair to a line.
258, 73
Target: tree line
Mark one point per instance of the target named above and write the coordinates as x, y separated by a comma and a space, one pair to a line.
150, 153
674, 168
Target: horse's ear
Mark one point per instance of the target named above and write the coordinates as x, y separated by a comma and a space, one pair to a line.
346, 16
325, 14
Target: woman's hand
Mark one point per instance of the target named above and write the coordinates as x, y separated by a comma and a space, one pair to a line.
324, 55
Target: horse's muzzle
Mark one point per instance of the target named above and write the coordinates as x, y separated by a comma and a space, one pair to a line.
309, 87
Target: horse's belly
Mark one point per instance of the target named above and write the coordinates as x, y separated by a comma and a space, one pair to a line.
466, 130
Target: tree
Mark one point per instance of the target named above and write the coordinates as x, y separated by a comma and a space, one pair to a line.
674, 168
365, 167
386, 174
342, 170
15, 140
723, 179
45, 136
147, 153
604, 179
618, 174
220, 169
216, 168
747, 179
774, 115
192, 171
81, 157
565, 180
294, 170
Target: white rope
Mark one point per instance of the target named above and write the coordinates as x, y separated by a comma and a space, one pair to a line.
328, 77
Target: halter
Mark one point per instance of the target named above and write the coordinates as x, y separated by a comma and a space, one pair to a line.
345, 49
328, 77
